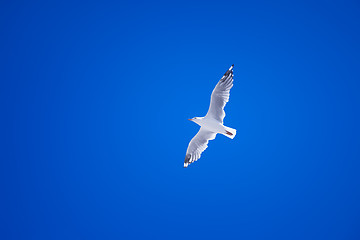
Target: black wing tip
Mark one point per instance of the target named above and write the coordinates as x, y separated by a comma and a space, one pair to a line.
228, 72
187, 160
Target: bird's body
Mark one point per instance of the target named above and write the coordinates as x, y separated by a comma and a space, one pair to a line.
212, 123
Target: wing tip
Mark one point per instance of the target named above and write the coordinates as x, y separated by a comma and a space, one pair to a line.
187, 160
228, 73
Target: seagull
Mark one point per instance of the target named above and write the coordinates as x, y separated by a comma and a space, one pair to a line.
212, 123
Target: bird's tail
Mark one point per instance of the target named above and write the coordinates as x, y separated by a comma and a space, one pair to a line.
229, 132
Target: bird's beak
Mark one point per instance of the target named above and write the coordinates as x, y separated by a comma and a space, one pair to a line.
190, 119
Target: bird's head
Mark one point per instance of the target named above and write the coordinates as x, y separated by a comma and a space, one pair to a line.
196, 119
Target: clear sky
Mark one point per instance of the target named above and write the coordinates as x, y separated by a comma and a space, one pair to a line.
95, 97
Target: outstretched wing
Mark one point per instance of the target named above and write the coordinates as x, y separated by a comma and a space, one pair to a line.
197, 145
220, 96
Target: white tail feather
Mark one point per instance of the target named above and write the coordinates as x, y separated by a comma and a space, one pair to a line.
229, 132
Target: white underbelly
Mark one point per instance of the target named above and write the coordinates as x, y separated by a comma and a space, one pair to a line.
213, 125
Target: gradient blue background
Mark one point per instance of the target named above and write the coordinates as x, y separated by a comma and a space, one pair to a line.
94, 101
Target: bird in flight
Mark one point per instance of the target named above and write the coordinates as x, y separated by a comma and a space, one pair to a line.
212, 123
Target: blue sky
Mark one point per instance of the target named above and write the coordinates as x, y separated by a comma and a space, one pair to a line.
95, 98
